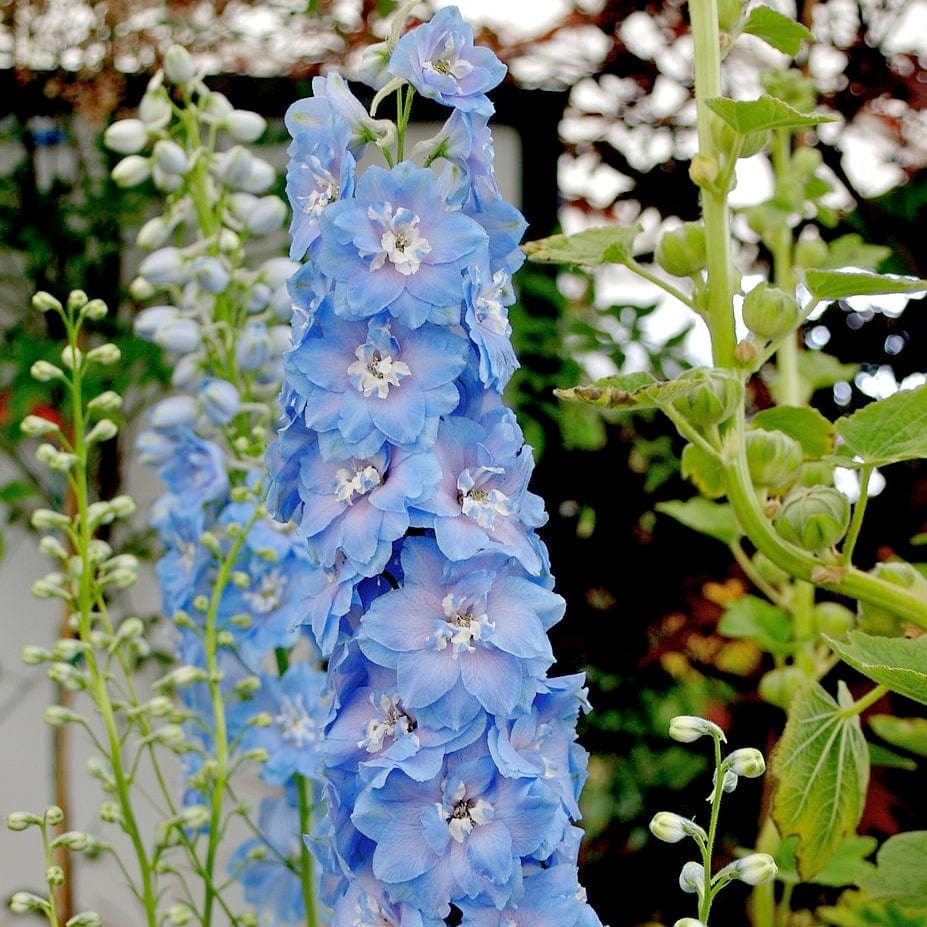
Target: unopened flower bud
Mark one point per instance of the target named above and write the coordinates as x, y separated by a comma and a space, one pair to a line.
104, 430
234, 166
20, 820
140, 289
681, 251
179, 67
268, 214
688, 728
45, 302
770, 312
170, 157
692, 878
84, 919
811, 252
27, 902
179, 915
43, 519
833, 619
261, 177
33, 655
710, 397
220, 400
54, 876
44, 372
210, 273
689, 922
106, 402
703, 171
35, 426
779, 685
155, 107
131, 171
95, 310
154, 233
194, 816
773, 458
75, 840
173, 412
244, 126
814, 517
671, 828
164, 266
877, 619
54, 815
754, 869
747, 761
122, 506
126, 137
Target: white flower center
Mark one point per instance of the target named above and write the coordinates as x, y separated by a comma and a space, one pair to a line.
269, 593
298, 727
479, 503
392, 718
368, 913
448, 63
326, 188
460, 627
402, 244
358, 482
490, 312
465, 813
374, 372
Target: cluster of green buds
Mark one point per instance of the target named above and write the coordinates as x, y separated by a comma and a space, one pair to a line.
696, 875
72, 841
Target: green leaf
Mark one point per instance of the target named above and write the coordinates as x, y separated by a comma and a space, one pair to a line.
817, 370
591, 247
704, 470
807, 426
782, 32
905, 733
840, 284
900, 872
887, 430
715, 519
620, 392
853, 251
746, 116
755, 619
897, 662
844, 866
820, 767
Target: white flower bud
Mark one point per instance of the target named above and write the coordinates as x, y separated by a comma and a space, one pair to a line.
105, 354
67, 648
110, 813
692, 878
130, 629
182, 676
229, 241
32, 655
179, 67
688, 922
84, 919
164, 266
27, 902
71, 357
68, 676
154, 233
728, 783
220, 400
53, 815
754, 869
43, 519
234, 166
169, 734
173, 412
687, 728
104, 430
747, 761
210, 273
216, 106
671, 828
261, 177
107, 401
35, 425
155, 107
54, 875
127, 136
170, 157
95, 310
244, 126
268, 215
179, 915
131, 171
45, 302
122, 505
140, 289
44, 372
75, 840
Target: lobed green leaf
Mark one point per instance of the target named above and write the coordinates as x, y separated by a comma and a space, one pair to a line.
756, 619
897, 662
746, 116
900, 872
591, 247
807, 426
886, 431
820, 768
781, 32
715, 519
841, 284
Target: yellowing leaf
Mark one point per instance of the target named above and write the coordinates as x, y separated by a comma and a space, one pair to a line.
591, 247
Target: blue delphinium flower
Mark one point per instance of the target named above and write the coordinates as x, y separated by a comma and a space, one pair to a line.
450, 767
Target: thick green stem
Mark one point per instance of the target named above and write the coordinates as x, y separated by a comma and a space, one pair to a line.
706, 38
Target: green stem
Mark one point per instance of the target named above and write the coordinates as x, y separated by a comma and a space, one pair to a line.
705, 901
869, 699
85, 602
706, 39
52, 889
856, 522
645, 274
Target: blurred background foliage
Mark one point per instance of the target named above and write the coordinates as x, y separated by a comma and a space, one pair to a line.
600, 93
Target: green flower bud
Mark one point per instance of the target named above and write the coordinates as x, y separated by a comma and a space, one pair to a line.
711, 396
779, 685
728, 139
27, 902
54, 876
75, 840
688, 728
178, 915
765, 219
814, 517
876, 619
110, 813
816, 473
833, 619
681, 251
703, 171
773, 458
53, 815
20, 820
43, 519
770, 312
84, 919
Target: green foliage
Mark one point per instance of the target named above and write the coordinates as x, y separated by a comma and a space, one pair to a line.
777, 30
900, 663
900, 873
885, 431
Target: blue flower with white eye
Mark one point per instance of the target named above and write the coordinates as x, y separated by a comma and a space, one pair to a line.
360, 506
184, 564
441, 62
192, 468
459, 835
482, 502
363, 902
480, 626
320, 171
552, 897
398, 245
365, 384
487, 321
299, 709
